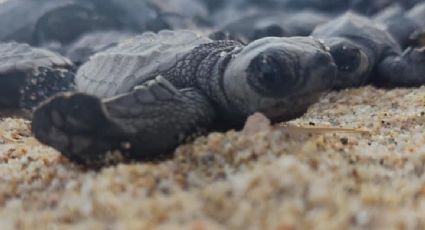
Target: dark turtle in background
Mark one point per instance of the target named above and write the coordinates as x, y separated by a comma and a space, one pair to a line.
320, 5
214, 5
134, 15
183, 14
363, 7
365, 52
276, 24
64, 25
328, 6
58, 23
396, 23
402, 23
29, 75
19, 17
250, 20
91, 43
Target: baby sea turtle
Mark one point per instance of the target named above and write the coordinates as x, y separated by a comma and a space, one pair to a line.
400, 22
64, 25
365, 52
19, 17
147, 95
29, 75
56, 23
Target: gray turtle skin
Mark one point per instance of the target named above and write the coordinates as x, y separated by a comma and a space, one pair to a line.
30, 75
149, 94
365, 52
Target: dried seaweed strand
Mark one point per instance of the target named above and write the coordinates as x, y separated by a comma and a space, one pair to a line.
323, 129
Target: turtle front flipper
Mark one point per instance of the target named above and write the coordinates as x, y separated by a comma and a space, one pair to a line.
146, 123
76, 125
406, 70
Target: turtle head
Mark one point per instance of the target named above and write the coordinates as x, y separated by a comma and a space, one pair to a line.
280, 77
352, 61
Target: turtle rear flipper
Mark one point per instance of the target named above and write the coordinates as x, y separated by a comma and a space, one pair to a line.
145, 123
402, 71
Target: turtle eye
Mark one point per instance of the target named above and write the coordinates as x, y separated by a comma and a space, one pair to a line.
347, 58
269, 75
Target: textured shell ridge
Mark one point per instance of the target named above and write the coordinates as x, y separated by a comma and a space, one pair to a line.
120, 68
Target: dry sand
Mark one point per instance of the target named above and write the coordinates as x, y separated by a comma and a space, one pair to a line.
357, 163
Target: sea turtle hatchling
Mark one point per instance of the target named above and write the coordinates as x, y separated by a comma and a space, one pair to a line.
58, 23
366, 52
19, 17
29, 75
148, 94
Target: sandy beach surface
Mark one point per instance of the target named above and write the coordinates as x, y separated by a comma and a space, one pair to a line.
356, 160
